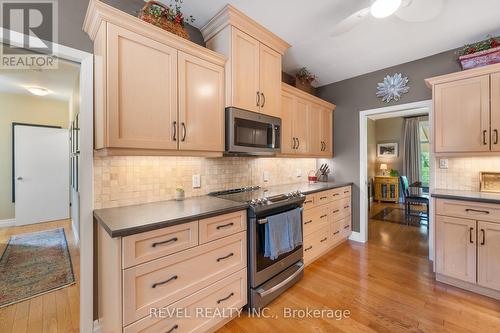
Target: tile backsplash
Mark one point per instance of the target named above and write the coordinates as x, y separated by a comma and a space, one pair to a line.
129, 180
463, 172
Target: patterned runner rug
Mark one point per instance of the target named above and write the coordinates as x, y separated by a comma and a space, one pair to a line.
34, 264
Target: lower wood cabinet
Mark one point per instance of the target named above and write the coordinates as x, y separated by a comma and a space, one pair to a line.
467, 246
326, 221
187, 266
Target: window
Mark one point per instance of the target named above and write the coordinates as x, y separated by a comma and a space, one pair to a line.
425, 152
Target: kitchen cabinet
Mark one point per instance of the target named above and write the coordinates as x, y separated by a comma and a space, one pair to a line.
306, 123
253, 71
467, 111
468, 245
155, 93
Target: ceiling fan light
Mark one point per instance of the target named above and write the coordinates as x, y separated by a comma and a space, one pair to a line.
384, 8
38, 91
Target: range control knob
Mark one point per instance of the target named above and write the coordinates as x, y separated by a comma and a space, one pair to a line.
253, 202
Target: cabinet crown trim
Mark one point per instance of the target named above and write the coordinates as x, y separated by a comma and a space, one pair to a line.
229, 15
297, 92
99, 12
466, 74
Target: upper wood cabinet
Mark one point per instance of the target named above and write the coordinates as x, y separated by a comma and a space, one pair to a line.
253, 71
155, 93
306, 123
467, 111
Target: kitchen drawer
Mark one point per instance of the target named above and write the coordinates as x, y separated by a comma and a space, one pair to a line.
336, 194
221, 226
316, 243
324, 197
468, 210
309, 202
346, 192
229, 293
315, 219
164, 281
346, 225
345, 207
336, 210
336, 230
154, 244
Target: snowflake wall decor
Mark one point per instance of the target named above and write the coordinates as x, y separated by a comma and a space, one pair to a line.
392, 87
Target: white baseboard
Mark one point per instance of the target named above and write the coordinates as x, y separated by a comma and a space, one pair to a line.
357, 237
75, 234
97, 327
7, 223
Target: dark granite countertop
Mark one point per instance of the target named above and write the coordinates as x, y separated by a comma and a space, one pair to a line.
129, 220
467, 195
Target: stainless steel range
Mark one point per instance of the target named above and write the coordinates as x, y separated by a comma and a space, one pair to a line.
267, 278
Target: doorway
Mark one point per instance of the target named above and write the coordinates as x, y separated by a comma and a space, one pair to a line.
383, 169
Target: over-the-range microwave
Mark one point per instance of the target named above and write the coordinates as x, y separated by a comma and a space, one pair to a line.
251, 133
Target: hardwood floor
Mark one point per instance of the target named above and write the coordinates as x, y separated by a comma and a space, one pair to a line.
387, 285
55, 312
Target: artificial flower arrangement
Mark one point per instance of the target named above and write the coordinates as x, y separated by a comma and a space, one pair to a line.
170, 18
485, 52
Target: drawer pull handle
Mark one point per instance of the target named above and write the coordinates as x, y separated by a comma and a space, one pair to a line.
345, 192
336, 211
171, 240
468, 210
225, 257
345, 207
307, 222
308, 248
470, 235
484, 237
225, 225
323, 198
347, 227
173, 328
324, 239
336, 232
308, 201
225, 298
336, 194
323, 216
164, 282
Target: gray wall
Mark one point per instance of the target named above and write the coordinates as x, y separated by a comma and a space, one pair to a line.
357, 94
72, 14
387, 131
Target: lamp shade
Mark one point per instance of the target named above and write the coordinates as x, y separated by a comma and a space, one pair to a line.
383, 166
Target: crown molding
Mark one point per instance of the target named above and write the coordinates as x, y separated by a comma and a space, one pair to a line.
466, 74
99, 13
229, 15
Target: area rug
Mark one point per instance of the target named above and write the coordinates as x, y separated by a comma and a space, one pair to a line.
397, 215
34, 264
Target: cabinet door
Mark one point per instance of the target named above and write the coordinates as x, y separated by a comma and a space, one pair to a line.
456, 248
270, 81
287, 113
462, 115
315, 139
201, 104
245, 71
141, 91
495, 112
300, 125
326, 131
488, 266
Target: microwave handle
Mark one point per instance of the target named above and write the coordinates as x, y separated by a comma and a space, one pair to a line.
273, 139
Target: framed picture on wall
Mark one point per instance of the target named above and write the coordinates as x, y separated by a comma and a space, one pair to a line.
387, 150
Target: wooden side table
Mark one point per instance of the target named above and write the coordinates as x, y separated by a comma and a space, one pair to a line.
387, 189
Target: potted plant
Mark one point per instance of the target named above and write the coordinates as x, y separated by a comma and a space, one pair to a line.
179, 193
479, 54
169, 17
303, 80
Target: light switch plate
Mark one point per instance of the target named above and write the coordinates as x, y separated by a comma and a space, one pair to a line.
443, 163
298, 172
196, 181
265, 176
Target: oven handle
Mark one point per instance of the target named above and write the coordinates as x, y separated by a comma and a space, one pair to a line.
264, 221
264, 293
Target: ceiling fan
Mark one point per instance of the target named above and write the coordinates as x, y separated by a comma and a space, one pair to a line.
407, 10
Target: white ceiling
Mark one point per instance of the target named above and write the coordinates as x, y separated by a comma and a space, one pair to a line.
374, 44
60, 82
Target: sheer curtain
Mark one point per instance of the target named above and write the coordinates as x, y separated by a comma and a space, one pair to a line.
412, 151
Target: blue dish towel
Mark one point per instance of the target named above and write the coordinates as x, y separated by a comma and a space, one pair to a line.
283, 232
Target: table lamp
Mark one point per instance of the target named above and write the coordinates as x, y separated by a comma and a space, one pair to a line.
383, 167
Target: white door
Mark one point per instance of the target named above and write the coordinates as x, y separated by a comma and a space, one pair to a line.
41, 174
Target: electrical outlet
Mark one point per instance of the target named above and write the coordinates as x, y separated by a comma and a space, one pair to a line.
265, 176
443, 163
196, 181
298, 173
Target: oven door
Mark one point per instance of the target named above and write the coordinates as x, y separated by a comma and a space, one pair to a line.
252, 133
262, 268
